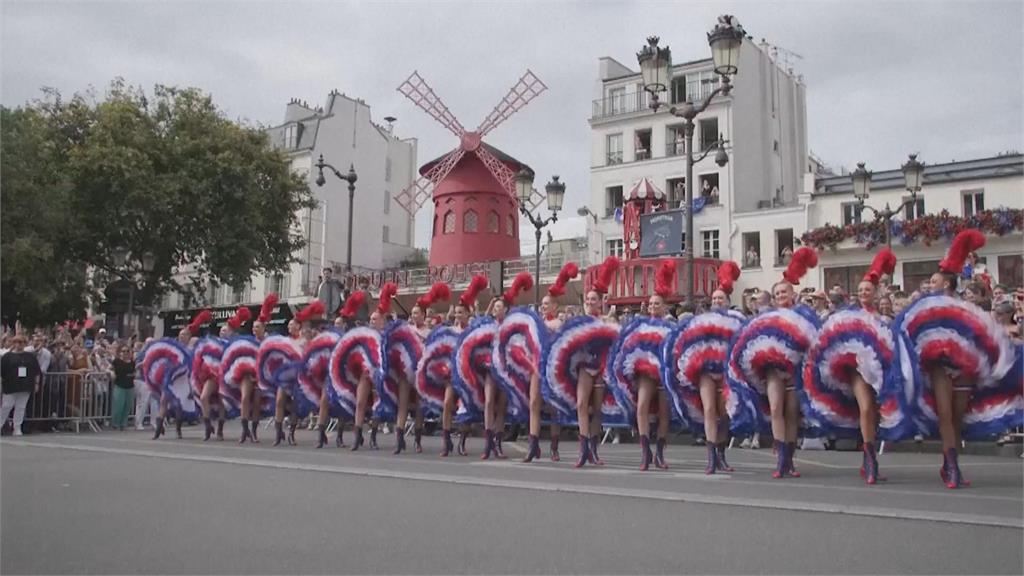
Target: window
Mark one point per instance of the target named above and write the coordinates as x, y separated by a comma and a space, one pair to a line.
675, 189
386, 233
492, 223
914, 273
617, 100
1011, 270
614, 147
751, 249
700, 84
615, 248
449, 222
510, 225
974, 202
642, 144
675, 140
783, 246
387, 201
913, 210
851, 213
240, 295
387, 169
433, 230
710, 238
469, 221
708, 133
678, 89
612, 200
683, 243
848, 277
275, 284
709, 188
291, 136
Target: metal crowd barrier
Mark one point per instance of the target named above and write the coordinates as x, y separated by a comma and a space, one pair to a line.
74, 399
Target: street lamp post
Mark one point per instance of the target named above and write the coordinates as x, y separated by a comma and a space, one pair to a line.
555, 191
655, 68
351, 179
913, 173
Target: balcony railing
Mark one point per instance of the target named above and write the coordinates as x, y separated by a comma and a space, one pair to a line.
634, 281
675, 148
620, 104
613, 158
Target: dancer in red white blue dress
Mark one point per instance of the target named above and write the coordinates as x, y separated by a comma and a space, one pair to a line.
765, 357
964, 358
549, 315
169, 401
853, 376
695, 356
418, 316
634, 372
495, 397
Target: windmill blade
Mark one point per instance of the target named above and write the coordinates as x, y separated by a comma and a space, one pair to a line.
413, 197
415, 88
505, 176
526, 89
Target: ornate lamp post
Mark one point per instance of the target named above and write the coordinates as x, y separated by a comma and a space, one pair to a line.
351, 179
555, 191
913, 175
655, 68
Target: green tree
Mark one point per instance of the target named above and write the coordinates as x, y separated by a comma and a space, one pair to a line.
167, 174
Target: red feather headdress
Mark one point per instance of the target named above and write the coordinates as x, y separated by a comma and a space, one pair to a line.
201, 318
884, 264
522, 282
965, 242
476, 286
314, 311
664, 278
439, 292
242, 315
567, 273
268, 307
728, 273
387, 292
803, 259
605, 275
353, 304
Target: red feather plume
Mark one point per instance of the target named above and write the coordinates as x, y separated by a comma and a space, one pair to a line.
884, 264
476, 286
567, 273
201, 318
439, 292
314, 311
965, 242
242, 315
728, 273
664, 278
268, 307
388, 291
522, 282
803, 259
605, 275
353, 304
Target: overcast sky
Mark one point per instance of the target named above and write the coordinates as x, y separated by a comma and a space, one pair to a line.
883, 78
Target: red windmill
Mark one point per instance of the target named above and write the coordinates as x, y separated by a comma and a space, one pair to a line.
475, 205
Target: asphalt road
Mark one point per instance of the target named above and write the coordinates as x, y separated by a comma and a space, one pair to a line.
118, 503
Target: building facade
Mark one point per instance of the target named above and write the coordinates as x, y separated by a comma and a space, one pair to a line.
763, 120
774, 195
344, 132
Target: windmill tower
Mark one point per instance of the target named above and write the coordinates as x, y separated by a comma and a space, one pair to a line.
473, 186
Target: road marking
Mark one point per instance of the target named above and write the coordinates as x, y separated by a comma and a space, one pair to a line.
616, 491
